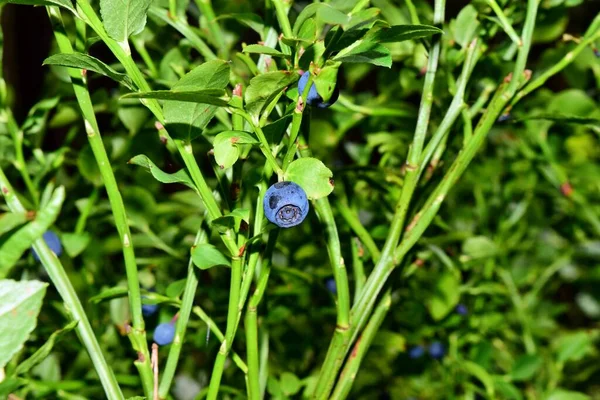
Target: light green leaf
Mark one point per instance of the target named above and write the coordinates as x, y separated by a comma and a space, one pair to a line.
186, 120
175, 289
226, 146
574, 346
265, 87
259, 49
525, 367
326, 80
289, 383
10, 221
465, 25
20, 303
479, 247
204, 96
75, 243
312, 176
232, 220
561, 394
88, 63
123, 18
324, 13
400, 33
20, 241
180, 176
445, 297
205, 256
45, 350
481, 374
363, 51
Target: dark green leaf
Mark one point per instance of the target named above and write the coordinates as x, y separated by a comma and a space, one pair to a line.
445, 297
265, 87
180, 176
205, 96
123, 18
259, 49
525, 367
205, 256
400, 33
326, 80
363, 51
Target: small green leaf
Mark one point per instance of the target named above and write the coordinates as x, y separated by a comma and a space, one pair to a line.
363, 51
89, 63
479, 247
561, 394
265, 87
312, 176
175, 289
465, 25
20, 303
205, 96
325, 14
186, 120
326, 80
574, 346
400, 33
61, 3
445, 297
180, 176
525, 367
259, 49
10, 221
205, 256
123, 18
290, 383
507, 390
232, 220
109, 294
226, 147
45, 350
75, 243
481, 374
20, 241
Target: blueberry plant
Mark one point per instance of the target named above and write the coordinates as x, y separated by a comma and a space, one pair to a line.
328, 200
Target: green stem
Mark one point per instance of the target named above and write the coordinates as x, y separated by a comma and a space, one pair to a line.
206, 8
358, 269
73, 305
412, 10
504, 22
361, 347
234, 298
358, 228
281, 10
187, 303
137, 334
91, 202
293, 145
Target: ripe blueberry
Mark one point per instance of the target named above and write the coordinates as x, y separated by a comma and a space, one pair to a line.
313, 98
330, 283
416, 352
285, 204
461, 309
149, 309
164, 333
52, 241
436, 350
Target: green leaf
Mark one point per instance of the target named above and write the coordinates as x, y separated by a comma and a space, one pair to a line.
10, 221
175, 289
186, 120
312, 176
574, 346
324, 13
525, 367
290, 383
75, 243
363, 51
252, 21
259, 49
204, 96
45, 350
38, 115
561, 394
507, 390
400, 33
226, 147
363, 19
61, 3
445, 297
89, 63
232, 220
87, 166
180, 176
123, 18
465, 25
560, 118
326, 80
479, 247
481, 374
265, 87
205, 256
20, 241
20, 303
109, 294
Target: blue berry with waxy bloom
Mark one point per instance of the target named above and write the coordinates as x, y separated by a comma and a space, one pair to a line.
436, 350
416, 352
164, 333
313, 98
52, 241
149, 309
330, 283
285, 204
461, 309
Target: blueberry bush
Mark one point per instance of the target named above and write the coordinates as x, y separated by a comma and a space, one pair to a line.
365, 199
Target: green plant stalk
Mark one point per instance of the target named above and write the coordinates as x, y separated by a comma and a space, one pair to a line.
232, 313
137, 333
73, 305
140, 47
189, 292
361, 347
358, 269
206, 8
556, 68
173, 10
214, 328
520, 310
284, 23
361, 4
412, 10
504, 22
295, 129
251, 323
358, 228
185, 149
81, 221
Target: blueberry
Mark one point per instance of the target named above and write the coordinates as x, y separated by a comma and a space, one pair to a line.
52, 241
416, 352
164, 333
436, 350
313, 98
330, 283
461, 309
149, 309
285, 204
